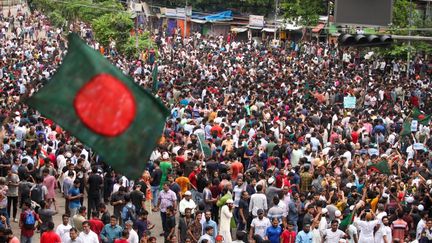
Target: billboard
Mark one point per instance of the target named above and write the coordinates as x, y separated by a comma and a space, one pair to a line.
364, 12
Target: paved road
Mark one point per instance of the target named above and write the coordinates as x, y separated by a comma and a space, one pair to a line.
153, 217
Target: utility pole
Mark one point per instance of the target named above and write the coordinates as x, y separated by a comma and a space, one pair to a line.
275, 18
185, 21
409, 41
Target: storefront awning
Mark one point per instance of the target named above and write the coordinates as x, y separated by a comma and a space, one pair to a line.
238, 29
254, 27
199, 21
318, 28
269, 30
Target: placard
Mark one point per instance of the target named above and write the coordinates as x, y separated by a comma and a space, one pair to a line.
414, 125
349, 102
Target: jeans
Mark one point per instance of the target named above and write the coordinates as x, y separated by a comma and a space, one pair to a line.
155, 195
164, 226
4, 212
25, 239
12, 202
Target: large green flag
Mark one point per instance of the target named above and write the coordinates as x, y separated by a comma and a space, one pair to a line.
155, 79
382, 167
103, 108
204, 146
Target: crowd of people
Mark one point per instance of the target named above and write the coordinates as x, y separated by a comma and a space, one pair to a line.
288, 162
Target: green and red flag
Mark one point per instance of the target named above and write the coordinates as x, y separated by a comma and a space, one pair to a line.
103, 108
423, 119
381, 167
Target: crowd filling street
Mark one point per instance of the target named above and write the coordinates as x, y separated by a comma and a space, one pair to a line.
288, 162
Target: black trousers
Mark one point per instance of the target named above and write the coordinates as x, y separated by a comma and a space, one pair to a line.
93, 203
12, 201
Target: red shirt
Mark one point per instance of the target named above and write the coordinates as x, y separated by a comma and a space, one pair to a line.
96, 225
236, 168
192, 178
288, 236
121, 241
27, 232
50, 237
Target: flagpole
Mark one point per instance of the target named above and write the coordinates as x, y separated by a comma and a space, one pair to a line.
200, 142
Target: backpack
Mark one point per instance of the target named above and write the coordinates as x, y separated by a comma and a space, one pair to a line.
37, 194
29, 220
131, 214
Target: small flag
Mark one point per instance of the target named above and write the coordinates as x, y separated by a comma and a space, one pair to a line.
381, 167
420, 117
204, 146
155, 79
103, 108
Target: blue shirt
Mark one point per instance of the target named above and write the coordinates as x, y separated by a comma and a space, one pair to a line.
74, 203
212, 224
273, 233
110, 233
303, 237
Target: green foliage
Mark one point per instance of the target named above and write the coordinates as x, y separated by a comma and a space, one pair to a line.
400, 50
144, 43
304, 12
401, 16
57, 19
113, 26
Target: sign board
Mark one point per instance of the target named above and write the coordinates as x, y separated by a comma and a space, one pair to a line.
256, 20
170, 12
180, 12
349, 102
364, 12
189, 10
414, 125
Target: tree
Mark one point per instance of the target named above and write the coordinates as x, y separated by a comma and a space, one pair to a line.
144, 43
113, 26
303, 12
401, 16
57, 19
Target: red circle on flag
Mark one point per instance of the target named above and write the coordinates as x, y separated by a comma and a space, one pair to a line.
105, 105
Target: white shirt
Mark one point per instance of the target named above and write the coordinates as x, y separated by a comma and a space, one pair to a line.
352, 231
331, 236
225, 218
381, 232
91, 237
366, 229
260, 225
420, 226
187, 204
133, 236
63, 231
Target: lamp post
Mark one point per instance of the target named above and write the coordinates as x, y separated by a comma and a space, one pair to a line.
409, 41
275, 18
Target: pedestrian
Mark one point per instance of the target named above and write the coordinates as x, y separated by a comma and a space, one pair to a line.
49, 236
29, 220
225, 220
